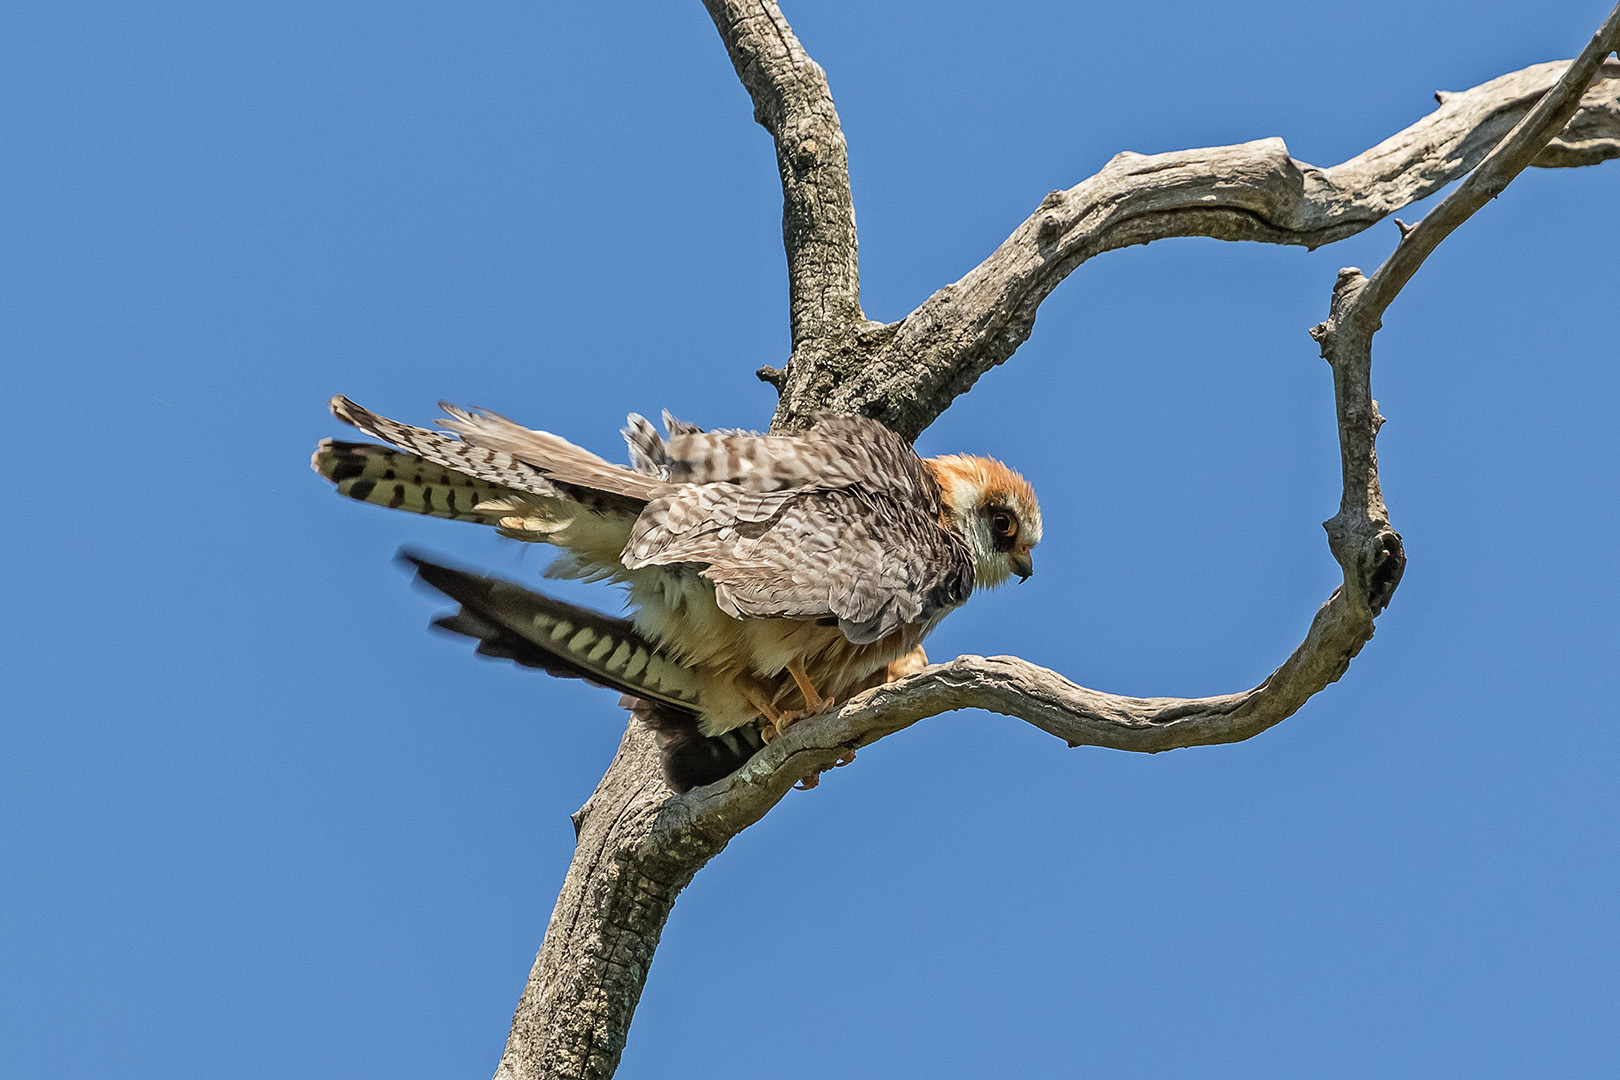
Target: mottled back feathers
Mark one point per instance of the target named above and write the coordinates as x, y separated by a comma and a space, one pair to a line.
841, 522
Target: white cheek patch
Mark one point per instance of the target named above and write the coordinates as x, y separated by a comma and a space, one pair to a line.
965, 497
990, 567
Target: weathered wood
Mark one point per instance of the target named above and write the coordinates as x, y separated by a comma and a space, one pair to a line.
793, 103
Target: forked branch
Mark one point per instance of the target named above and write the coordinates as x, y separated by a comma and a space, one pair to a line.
638, 846
1250, 191
1591, 77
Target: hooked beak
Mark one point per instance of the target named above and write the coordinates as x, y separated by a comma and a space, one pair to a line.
1022, 564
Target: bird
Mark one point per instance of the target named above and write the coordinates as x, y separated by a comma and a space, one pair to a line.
770, 577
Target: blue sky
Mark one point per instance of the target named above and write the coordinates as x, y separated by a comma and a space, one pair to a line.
252, 812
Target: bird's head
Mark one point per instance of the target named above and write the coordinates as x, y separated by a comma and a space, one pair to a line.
995, 510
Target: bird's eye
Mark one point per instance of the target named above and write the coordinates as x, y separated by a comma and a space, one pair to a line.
1004, 524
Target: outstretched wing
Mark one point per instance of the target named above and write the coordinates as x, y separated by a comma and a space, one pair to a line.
841, 522
495, 449
487, 464
535, 630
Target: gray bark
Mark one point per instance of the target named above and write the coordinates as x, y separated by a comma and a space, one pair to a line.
575, 1010
639, 845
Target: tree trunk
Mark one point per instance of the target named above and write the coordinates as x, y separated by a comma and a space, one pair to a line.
575, 1012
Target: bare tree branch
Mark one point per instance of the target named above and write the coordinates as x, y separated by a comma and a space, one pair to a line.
910, 371
793, 103
1014, 687
1359, 534
1582, 80
639, 845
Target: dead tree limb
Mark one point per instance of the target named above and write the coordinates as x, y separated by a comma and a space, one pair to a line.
638, 845
907, 373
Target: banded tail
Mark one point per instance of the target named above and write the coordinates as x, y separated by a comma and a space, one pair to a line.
401, 481
510, 622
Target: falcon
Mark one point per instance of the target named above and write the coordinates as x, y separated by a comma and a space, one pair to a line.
770, 577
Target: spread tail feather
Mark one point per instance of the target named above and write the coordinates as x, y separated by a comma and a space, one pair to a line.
513, 623
482, 463
495, 450
401, 481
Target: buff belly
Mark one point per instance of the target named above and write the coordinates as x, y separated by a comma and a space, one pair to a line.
678, 612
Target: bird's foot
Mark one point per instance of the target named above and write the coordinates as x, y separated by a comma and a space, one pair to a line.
813, 701
772, 728
909, 664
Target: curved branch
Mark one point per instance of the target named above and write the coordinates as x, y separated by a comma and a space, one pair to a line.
1251, 191
1359, 533
792, 102
1013, 687
1080, 716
